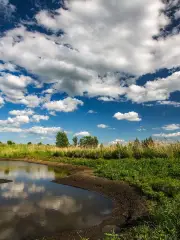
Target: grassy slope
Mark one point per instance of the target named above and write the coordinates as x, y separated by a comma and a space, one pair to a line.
158, 179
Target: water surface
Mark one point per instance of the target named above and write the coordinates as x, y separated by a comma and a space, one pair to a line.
34, 206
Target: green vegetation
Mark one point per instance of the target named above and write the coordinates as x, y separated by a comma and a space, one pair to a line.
62, 140
88, 142
75, 141
153, 167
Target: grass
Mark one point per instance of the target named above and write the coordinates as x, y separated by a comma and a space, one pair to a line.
154, 169
131, 150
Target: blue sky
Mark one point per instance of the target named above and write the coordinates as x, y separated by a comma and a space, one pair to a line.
105, 68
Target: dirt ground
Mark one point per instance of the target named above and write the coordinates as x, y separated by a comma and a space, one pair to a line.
128, 203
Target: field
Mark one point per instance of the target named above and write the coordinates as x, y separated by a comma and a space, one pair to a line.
153, 169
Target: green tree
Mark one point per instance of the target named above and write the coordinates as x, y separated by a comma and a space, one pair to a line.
29, 143
89, 141
75, 141
39, 144
148, 142
62, 139
9, 142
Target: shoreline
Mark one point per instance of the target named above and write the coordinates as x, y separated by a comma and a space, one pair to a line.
129, 204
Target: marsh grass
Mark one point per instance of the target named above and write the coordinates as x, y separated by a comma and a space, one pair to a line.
131, 150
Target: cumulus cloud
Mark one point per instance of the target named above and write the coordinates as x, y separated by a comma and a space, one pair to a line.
102, 126
38, 118
80, 62
82, 134
130, 116
91, 111
14, 87
1, 101
16, 121
7, 66
159, 89
10, 129
171, 127
169, 135
37, 130
107, 99
43, 130
177, 14
116, 141
6, 9
66, 105
31, 101
26, 112
170, 103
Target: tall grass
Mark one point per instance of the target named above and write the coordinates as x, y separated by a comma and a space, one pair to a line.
131, 150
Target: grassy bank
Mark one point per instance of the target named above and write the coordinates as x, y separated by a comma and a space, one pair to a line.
155, 172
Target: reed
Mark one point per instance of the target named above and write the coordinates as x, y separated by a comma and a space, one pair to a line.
130, 150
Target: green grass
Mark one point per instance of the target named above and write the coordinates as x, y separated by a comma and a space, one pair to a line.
155, 170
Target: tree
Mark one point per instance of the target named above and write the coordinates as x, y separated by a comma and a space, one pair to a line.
29, 143
137, 143
148, 142
89, 141
75, 141
9, 142
39, 144
62, 139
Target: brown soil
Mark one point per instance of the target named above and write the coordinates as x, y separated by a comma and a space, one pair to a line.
129, 205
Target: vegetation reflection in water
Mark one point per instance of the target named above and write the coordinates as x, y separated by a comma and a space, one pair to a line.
40, 207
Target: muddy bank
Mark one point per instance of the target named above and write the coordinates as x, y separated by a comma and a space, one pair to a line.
129, 205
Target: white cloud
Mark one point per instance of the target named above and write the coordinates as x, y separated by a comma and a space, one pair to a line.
107, 99
26, 112
66, 105
82, 134
177, 14
30, 101
171, 127
43, 130
33, 130
1, 101
171, 103
116, 141
10, 129
169, 135
129, 47
16, 121
81, 63
7, 66
141, 129
102, 126
38, 118
130, 116
14, 87
91, 111
53, 113
6, 9
159, 89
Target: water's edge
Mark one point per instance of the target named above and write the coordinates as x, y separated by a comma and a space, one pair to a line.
127, 203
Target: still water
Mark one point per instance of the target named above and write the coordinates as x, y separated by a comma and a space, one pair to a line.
34, 206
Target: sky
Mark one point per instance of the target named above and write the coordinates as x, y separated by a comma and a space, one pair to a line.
104, 68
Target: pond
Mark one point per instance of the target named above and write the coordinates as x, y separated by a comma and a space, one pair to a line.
32, 205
